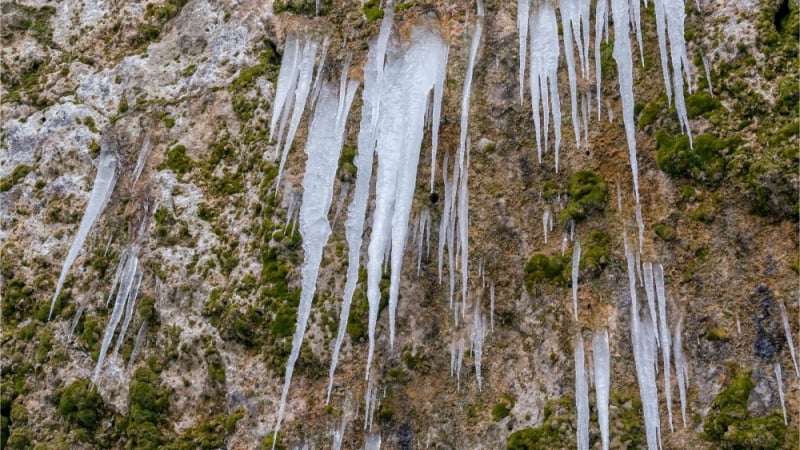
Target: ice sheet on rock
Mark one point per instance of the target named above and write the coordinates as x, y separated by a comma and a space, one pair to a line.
102, 188
324, 146
544, 50
372, 441
602, 381
581, 395
622, 55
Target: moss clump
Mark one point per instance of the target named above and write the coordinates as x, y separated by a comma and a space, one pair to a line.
588, 194
299, 7
717, 334
550, 191
28, 18
148, 401
731, 426
79, 403
651, 112
705, 162
595, 256
556, 430
503, 408
177, 161
208, 435
541, 268
347, 170
20, 172
700, 103
664, 231
372, 10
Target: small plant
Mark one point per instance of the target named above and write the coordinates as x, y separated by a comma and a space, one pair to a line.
588, 194
177, 160
372, 10
541, 268
79, 403
20, 172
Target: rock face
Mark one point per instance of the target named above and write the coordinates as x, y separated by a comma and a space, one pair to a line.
182, 93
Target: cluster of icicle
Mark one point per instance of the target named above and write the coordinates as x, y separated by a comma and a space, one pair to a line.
104, 183
323, 149
539, 41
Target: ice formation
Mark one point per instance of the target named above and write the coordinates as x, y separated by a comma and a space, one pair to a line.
681, 371
576, 262
544, 50
663, 328
602, 381
103, 186
581, 395
325, 138
787, 329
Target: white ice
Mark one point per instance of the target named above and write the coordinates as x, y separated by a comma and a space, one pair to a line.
581, 395
544, 50
602, 381
576, 261
787, 329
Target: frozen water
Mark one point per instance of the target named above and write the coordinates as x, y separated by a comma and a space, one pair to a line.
544, 50
622, 55
602, 381
787, 329
663, 327
581, 395
576, 261
523, 15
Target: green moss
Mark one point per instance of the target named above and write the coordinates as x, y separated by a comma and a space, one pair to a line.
372, 10
503, 408
20, 172
347, 170
123, 106
209, 434
550, 191
594, 255
177, 160
148, 401
704, 162
651, 112
94, 149
588, 194
700, 103
540, 269
556, 430
169, 122
81, 404
189, 70
729, 424
403, 6
89, 122
664, 231
299, 7
717, 334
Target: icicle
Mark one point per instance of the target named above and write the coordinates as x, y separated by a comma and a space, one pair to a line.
635, 18
103, 186
581, 395
570, 21
601, 19
79, 312
410, 78
661, 24
128, 277
438, 92
738, 326
644, 353
622, 55
663, 327
444, 219
338, 433
576, 260
463, 232
779, 379
676, 13
619, 199
128, 315
147, 145
452, 359
564, 240
423, 225
491, 306
545, 222
602, 381
543, 74
523, 14
681, 371
459, 361
372, 442
320, 68
325, 138
286, 78
640, 225
476, 338
787, 329
137, 345
708, 75
650, 292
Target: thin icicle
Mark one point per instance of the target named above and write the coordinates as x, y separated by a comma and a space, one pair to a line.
570, 22
661, 25
444, 222
147, 145
650, 292
491, 306
523, 15
787, 329
675, 12
622, 55
681, 371
476, 336
286, 78
666, 343
438, 92
545, 222
103, 186
708, 75
635, 17
602, 381
576, 261
320, 68
137, 345
601, 20
779, 379
640, 226
128, 315
581, 395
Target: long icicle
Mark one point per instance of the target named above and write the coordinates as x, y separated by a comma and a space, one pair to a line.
602, 381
